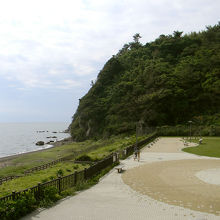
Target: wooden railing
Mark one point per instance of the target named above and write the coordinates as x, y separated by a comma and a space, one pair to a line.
75, 178
43, 167
69, 157
130, 149
65, 182
48, 165
7, 178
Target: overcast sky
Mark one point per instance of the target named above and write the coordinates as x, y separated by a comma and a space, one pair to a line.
50, 50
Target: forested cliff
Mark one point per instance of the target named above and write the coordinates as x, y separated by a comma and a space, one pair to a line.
166, 82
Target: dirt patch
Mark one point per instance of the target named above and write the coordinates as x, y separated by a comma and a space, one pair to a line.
174, 182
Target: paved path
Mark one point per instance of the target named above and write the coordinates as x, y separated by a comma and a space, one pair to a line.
113, 199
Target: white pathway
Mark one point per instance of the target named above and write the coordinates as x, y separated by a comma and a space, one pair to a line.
112, 199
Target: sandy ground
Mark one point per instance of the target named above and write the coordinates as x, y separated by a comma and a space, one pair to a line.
211, 176
166, 145
164, 170
174, 182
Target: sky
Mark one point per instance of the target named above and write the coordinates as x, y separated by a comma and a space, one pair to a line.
51, 50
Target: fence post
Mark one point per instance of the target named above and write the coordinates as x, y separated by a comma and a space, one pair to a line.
13, 195
117, 156
75, 178
38, 194
114, 157
59, 184
85, 176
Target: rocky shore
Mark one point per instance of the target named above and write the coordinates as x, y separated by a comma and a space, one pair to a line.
5, 161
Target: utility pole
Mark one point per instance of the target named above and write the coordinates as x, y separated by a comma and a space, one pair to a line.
190, 130
136, 135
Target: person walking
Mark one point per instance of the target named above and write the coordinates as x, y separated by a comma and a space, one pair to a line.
135, 153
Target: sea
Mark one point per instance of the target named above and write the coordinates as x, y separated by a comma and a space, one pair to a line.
17, 138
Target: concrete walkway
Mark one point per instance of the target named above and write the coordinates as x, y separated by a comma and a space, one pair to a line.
113, 199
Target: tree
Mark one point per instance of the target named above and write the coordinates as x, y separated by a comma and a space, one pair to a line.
136, 38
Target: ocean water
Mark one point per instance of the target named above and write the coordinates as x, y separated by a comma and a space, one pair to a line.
16, 138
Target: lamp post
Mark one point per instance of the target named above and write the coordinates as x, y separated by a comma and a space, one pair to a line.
190, 130
136, 134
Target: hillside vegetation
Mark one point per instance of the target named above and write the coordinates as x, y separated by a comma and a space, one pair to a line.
165, 82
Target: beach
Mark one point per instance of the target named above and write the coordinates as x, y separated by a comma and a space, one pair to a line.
7, 161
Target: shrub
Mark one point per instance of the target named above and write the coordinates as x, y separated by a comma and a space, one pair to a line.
13, 210
44, 180
68, 170
49, 196
75, 167
59, 172
84, 157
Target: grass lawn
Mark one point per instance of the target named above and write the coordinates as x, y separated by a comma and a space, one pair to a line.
95, 149
20, 163
39, 177
210, 147
117, 144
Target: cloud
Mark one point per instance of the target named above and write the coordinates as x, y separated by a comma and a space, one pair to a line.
62, 45
43, 41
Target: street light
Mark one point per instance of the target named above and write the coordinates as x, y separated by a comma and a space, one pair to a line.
136, 134
190, 129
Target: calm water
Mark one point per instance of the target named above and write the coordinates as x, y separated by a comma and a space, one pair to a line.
18, 138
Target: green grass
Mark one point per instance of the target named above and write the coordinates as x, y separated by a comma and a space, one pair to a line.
17, 165
39, 177
95, 149
210, 147
117, 143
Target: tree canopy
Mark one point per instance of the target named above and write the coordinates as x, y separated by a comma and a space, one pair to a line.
165, 82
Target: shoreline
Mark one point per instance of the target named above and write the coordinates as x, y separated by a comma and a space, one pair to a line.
55, 144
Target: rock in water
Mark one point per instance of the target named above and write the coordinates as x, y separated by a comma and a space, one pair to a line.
40, 143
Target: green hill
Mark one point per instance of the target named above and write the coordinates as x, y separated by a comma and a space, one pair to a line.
165, 82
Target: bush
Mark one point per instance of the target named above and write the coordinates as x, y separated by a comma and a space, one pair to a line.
51, 177
84, 157
59, 173
75, 167
44, 180
13, 210
183, 130
68, 170
49, 195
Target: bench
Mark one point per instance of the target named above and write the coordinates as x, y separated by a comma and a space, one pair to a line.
119, 168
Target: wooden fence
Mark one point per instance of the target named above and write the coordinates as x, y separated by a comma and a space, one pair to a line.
43, 167
130, 149
75, 178
65, 182
69, 157
50, 164
7, 178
